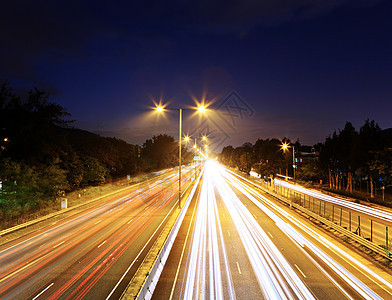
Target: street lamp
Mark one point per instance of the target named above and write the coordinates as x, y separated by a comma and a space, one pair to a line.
285, 147
160, 108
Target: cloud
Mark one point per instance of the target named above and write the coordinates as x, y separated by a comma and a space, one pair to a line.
34, 32
239, 17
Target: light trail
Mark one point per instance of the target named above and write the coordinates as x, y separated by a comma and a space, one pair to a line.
356, 284
374, 212
69, 259
273, 272
205, 236
275, 276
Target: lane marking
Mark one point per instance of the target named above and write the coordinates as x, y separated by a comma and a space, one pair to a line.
183, 250
59, 244
238, 266
101, 244
148, 241
98, 222
255, 216
130, 221
228, 232
270, 234
300, 271
36, 297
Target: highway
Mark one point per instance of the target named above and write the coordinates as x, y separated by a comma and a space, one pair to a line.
238, 243
94, 253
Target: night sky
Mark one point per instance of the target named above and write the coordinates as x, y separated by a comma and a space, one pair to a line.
296, 69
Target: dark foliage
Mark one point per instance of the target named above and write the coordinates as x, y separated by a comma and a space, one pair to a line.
347, 159
42, 158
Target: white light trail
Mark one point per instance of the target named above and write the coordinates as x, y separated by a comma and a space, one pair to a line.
350, 279
205, 236
374, 212
273, 272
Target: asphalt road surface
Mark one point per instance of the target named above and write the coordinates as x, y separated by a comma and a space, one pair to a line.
93, 254
237, 243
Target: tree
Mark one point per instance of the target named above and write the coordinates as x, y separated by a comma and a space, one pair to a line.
162, 152
94, 171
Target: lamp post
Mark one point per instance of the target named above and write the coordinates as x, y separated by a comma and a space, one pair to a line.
285, 147
160, 108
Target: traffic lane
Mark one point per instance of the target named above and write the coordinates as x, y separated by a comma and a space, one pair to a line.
64, 231
236, 257
75, 249
82, 286
204, 279
243, 278
354, 262
367, 272
64, 226
74, 230
25, 245
315, 279
118, 276
173, 274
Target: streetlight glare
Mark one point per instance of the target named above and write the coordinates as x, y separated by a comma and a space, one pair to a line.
201, 109
160, 108
186, 138
284, 146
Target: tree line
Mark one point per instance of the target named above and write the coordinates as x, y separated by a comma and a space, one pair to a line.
43, 157
346, 159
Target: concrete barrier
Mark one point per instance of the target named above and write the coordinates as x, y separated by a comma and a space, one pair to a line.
146, 277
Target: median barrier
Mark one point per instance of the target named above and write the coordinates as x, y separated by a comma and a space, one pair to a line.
146, 277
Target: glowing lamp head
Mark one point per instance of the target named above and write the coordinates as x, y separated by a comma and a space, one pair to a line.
284, 146
201, 109
159, 109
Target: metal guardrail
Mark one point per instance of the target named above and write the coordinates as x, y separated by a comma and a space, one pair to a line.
348, 233
368, 244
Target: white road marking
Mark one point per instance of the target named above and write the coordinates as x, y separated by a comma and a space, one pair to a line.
36, 297
300, 271
59, 244
238, 266
101, 244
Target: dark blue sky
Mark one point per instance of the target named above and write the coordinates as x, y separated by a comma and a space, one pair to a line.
299, 69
